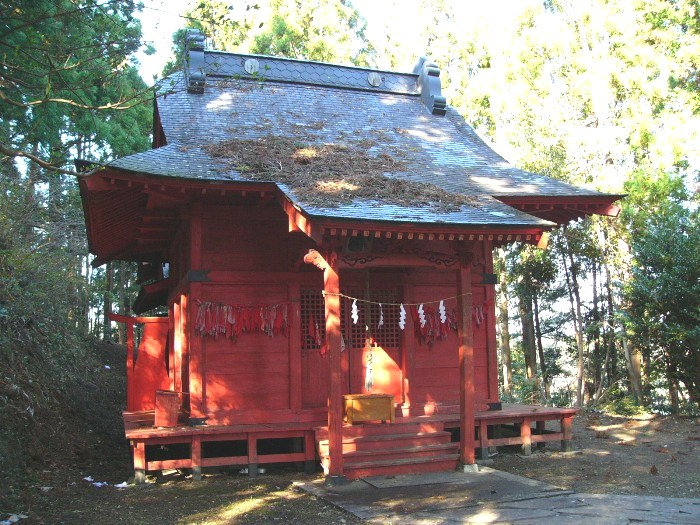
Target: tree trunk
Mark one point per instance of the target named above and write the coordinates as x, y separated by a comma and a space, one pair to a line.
634, 366
540, 350
122, 301
575, 302
107, 326
597, 371
528, 328
506, 360
29, 211
672, 379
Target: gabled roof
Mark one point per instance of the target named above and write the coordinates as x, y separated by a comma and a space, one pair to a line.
224, 97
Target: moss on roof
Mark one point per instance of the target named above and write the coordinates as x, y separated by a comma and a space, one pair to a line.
328, 174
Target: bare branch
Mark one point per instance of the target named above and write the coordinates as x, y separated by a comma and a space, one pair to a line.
9, 152
123, 104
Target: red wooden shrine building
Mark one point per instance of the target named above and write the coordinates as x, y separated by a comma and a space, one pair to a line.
321, 237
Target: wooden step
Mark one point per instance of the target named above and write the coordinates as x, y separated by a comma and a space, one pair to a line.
445, 462
423, 451
374, 429
351, 444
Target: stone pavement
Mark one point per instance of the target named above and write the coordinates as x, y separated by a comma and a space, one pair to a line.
492, 496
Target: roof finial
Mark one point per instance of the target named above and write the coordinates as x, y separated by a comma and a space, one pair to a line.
194, 61
428, 83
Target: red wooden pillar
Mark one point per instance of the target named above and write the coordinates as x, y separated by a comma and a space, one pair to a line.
526, 436
170, 348
177, 348
294, 319
490, 310
197, 404
139, 450
196, 457
196, 355
408, 357
331, 289
130, 322
130, 366
566, 434
252, 455
466, 365
185, 350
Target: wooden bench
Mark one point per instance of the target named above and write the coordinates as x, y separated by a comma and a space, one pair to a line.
522, 417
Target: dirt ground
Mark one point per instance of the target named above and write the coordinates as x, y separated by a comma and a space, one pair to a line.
645, 455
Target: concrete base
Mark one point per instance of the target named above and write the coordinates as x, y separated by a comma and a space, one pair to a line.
467, 468
309, 467
492, 495
197, 473
567, 445
336, 481
139, 476
253, 470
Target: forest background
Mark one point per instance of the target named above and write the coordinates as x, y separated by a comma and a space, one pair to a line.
596, 93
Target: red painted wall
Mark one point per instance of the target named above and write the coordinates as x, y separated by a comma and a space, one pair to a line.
261, 379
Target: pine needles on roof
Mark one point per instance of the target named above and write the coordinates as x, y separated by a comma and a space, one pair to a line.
331, 175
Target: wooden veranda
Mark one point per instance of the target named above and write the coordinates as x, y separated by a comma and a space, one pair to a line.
408, 445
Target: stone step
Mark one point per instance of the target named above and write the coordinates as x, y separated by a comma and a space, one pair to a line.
374, 429
445, 462
395, 453
361, 443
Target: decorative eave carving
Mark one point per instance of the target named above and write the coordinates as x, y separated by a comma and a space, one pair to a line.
195, 75
428, 82
353, 260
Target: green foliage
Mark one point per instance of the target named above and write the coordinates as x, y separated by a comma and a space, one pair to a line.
67, 80
328, 31
534, 269
663, 293
623, 406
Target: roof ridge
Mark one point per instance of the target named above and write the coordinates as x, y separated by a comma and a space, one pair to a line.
201, 64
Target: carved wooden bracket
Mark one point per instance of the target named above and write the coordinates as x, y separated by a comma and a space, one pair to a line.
320, 262
315, 258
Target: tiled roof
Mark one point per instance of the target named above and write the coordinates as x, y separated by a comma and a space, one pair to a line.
334, 104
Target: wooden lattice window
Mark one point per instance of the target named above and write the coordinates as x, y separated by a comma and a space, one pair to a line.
386, 336
313, 327
313, 320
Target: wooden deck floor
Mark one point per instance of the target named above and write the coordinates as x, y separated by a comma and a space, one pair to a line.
512, 425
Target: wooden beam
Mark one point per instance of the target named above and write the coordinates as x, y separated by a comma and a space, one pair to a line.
465, 335
331, 288
299, 222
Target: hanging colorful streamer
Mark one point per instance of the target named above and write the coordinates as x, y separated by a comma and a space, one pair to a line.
231, 321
